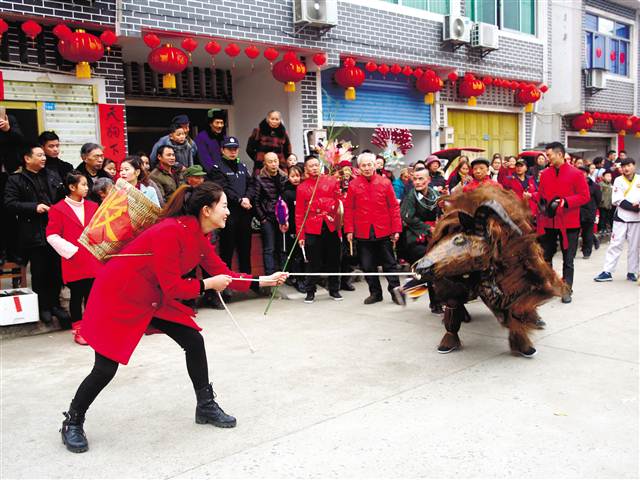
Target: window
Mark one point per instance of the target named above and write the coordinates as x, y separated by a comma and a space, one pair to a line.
607, 44
435, 6
517, 15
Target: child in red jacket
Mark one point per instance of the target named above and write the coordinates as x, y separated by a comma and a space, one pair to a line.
67, 220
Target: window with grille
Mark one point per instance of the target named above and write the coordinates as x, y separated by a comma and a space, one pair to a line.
607, 44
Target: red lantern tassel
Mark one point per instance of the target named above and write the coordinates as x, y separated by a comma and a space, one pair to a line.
350, 94
472, 102
169, 81
428, 98
83, 70
528, 107
290, 87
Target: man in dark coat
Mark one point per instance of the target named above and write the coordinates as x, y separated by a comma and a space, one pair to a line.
11, 140
269, 186
30, 192
270, 136
91, 167
209, 141
50, 143
588, 216
232, 175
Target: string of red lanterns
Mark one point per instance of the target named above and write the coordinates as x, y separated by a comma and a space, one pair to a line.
620, 123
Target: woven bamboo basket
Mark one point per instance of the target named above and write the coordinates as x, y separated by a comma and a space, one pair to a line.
122, 215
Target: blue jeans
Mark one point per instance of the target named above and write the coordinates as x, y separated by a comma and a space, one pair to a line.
271, 246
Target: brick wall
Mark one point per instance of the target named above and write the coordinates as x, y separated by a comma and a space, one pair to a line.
308, 88
98, 11
44, 56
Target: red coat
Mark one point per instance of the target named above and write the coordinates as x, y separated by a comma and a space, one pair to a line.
566, 182
64, 222
324, 208
130, 291
371, 202
512, 183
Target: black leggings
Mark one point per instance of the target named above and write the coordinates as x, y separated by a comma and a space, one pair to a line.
79, 294
104, 369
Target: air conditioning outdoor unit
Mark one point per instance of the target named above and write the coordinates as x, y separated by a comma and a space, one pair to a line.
315, 13
456, 29
596, 79
485, 36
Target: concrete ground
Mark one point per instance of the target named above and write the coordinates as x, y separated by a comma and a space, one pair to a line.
340, 390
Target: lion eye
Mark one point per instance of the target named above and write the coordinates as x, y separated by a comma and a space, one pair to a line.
459, 240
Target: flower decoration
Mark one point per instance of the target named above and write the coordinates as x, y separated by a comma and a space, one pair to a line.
394, 143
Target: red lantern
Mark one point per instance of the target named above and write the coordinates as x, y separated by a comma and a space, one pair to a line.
529, 95
544, 88
487, 80
582, 122
252, 52
232, 50
635, 127
189, 45
370, 67
319, 59
453, 77
31, 29
383, 69
621, 124
168, 61
429, 84
471, 88
349, 76
151, 40
3, 28
418, 72
407, 71
213, 48
395, 69
271, 54
108, 38
81, 48
289, 70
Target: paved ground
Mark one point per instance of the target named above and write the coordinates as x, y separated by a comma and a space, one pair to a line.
346, 390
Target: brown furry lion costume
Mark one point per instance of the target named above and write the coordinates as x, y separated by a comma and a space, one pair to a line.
484, 246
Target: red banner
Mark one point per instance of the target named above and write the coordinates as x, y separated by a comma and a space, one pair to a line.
112, 130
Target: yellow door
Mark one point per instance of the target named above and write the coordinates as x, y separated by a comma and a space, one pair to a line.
494, 131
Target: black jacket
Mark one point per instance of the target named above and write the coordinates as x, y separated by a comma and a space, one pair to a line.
588, 210
10, 144
289, 196
267, 191
235, 180
21, 199
61, 168
82, 168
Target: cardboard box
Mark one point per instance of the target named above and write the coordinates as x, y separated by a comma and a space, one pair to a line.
18, 306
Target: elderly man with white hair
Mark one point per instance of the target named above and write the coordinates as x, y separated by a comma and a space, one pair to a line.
372, 215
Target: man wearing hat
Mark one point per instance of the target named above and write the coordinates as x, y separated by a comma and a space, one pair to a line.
209, 141
437, 182
626, 223
232, 175
194, 175
183, 121
480, 174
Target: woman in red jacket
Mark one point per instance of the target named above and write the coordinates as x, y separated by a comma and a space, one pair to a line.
145, 288
67, 220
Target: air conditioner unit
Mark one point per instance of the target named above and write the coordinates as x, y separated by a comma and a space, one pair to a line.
315, 13
446, 135
596, 79
485, 36
456, 29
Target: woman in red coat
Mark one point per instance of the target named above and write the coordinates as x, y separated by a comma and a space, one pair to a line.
67, 220
145, 288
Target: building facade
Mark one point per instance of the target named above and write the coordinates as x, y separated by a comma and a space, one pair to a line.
40, 89
595, 68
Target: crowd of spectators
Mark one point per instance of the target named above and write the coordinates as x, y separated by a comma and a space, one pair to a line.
317, 218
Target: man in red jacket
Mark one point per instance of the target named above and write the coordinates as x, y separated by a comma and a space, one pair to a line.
319, 239
562, 190
372, 213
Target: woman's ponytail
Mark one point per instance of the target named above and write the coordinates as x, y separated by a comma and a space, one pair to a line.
188, 200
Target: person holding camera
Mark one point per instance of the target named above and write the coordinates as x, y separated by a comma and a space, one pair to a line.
562, 191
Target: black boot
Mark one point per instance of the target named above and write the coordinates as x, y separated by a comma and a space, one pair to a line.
208, 411
72, 432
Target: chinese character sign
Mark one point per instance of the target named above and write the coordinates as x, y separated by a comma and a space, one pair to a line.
112, 130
